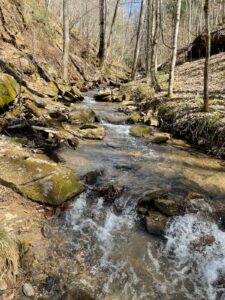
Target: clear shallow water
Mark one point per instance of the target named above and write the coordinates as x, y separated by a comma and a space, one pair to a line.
123, 262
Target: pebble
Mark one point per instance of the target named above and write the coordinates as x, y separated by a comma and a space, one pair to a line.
28, 290
46, 231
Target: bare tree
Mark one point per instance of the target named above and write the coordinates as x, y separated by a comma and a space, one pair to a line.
102, 17
207, 56
66, 39
148, 37
113, 24
155, 37
174, 52
138, 39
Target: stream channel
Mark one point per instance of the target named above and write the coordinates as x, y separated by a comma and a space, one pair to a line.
123, 261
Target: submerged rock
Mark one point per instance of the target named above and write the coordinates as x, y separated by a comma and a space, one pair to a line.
203, 241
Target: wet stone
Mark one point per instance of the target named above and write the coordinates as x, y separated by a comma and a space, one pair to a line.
148, 197
203, 241
168, 207
155, 223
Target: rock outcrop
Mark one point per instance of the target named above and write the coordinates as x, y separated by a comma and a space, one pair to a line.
36, 176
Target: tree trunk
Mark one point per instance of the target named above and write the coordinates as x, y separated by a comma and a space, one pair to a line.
207, 56
112, 25
138, 39
155, 37
148, 43
102, 16
66, 39
174, 53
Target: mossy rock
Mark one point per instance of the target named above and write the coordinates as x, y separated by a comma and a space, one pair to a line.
160, 138
135, 117
9, 89
141, 131
81, 114
40, 180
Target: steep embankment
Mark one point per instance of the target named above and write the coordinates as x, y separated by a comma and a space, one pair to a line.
31, 47
183, 114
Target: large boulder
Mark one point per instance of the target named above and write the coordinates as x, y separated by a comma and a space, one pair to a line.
160, 138
141, 131
37, 177
148, 198
88, 131
111, 96
69, 93
168, 207
81, 114
9, 89
135, 117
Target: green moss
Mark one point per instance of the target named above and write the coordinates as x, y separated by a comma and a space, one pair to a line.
9, 89
54, 190
141, 131
135, 117
40, 180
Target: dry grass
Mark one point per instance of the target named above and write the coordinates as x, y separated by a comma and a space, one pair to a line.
9, 257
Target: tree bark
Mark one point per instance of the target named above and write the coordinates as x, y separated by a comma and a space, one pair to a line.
138, 39
66, 38
148, 43
102, 43
155, 37
207, 56
112, 25
174, 53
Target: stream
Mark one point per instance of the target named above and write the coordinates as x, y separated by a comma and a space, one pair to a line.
124, 262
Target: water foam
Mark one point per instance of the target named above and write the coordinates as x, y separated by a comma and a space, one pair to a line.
203, 266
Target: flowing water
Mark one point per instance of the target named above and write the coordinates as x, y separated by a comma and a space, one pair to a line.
122, 260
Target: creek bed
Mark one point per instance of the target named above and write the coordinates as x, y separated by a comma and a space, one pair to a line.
121, 260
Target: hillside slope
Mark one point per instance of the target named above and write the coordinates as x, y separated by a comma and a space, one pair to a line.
31, 44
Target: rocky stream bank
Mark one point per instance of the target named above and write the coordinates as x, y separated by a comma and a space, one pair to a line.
133, 180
